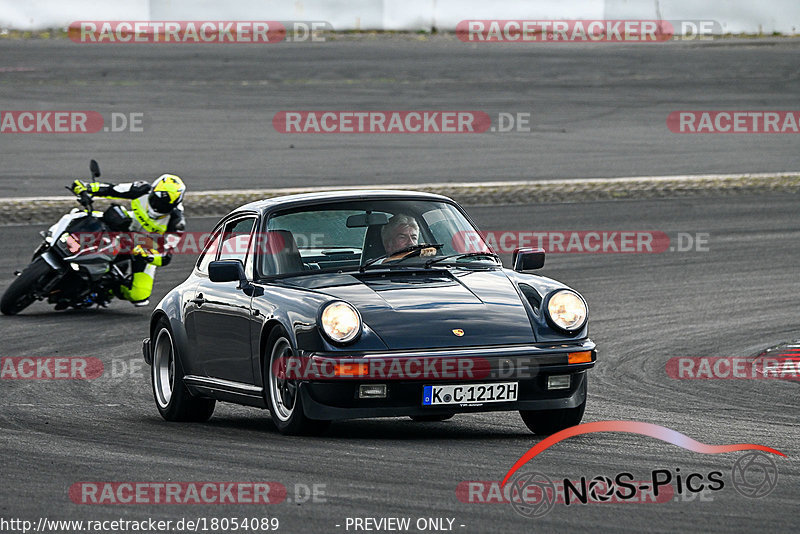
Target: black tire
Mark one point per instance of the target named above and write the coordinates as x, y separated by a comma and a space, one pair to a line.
281, 394
546, 422
21, 293
431, 418
173, 400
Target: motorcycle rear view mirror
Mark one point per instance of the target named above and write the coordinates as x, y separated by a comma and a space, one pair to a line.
94, 168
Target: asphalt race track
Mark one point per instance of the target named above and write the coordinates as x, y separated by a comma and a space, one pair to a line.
736, 298
595, 111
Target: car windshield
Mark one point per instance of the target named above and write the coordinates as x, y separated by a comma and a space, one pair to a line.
352, 235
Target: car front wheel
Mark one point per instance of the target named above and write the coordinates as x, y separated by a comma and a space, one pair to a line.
282, 390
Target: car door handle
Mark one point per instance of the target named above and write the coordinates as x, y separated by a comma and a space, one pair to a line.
199, 300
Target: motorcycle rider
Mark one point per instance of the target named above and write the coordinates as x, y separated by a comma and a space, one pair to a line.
156, 208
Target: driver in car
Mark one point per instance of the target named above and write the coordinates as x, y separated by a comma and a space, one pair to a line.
401, 232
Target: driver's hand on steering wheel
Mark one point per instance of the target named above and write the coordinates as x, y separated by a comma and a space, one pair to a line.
421, 249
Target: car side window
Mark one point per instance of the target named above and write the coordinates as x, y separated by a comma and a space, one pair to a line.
310, 239
209, 253
236, 239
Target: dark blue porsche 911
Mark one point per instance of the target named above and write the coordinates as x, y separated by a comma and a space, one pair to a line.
341, 305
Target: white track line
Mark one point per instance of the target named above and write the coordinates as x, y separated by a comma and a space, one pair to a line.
688, 178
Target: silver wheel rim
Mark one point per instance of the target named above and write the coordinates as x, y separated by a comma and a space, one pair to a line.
282, 391
163, 368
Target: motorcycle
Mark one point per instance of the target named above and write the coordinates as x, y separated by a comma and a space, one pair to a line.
70, 271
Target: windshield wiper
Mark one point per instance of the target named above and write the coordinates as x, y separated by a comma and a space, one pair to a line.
458, 256
412, 248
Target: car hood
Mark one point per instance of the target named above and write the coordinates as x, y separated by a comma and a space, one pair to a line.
427, 309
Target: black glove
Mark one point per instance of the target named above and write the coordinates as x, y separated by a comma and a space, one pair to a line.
166, 257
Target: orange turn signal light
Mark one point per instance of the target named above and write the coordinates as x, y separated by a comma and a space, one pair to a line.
350, 369
580, 357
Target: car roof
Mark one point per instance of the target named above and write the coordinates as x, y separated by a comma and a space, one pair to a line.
352, 194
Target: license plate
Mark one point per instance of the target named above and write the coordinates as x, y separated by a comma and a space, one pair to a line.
470, 393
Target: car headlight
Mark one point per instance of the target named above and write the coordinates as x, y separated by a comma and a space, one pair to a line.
566, 310
340, 321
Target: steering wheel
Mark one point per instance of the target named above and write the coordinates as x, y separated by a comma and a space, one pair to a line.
412, 251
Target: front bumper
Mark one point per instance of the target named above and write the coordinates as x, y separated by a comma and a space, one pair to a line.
530, 366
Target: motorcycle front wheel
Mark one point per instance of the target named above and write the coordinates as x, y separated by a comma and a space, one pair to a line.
22, 291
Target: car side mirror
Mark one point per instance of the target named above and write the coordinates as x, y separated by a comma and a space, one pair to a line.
232, 271
527, 259
226, 271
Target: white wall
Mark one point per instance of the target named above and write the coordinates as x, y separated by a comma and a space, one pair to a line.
735, 16
341, 14
45, 14
448, 13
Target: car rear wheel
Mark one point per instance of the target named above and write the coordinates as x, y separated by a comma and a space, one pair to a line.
282, 391
173, 400
545, 422
431, 418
